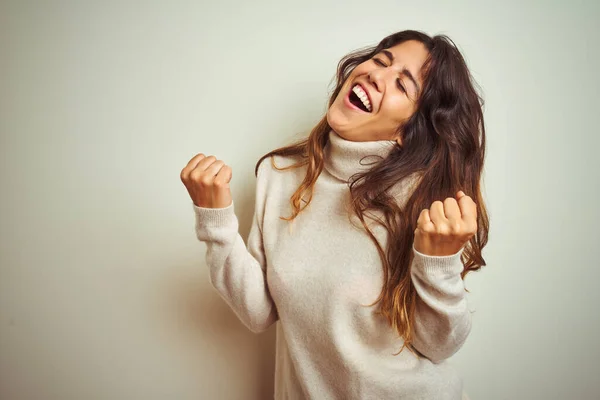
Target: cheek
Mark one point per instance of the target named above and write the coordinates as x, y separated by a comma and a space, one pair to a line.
360, 70
397, 108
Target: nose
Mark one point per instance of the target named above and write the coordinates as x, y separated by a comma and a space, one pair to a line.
376, 79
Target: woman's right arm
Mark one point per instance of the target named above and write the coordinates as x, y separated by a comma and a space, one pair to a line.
237, 271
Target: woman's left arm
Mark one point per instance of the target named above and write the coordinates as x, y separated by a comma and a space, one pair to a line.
442, 318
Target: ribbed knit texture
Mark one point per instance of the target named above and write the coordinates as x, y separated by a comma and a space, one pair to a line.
315, 280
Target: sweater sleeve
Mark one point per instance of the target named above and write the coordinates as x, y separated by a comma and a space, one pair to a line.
442, 318
238, 272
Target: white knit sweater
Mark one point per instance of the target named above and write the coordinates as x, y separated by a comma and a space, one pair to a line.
312, 280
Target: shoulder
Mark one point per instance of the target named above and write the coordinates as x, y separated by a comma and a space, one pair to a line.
274, 187
272, 166
404, 188
276, 183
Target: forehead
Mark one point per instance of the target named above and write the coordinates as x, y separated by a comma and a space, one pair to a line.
410, 54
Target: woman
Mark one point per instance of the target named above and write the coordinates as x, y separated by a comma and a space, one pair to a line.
348, 295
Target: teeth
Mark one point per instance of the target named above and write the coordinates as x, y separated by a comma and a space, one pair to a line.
362, 96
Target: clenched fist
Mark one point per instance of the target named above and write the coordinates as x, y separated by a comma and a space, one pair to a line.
207, 181
444, 228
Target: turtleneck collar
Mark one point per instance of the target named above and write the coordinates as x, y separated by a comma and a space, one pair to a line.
342, 158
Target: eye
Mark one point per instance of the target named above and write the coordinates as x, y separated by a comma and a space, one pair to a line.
379, 62
398, 82
400, 85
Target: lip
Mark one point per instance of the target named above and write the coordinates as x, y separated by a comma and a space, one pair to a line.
352, 106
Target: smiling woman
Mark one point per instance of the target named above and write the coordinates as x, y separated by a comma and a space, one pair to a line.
377, 262
379, 94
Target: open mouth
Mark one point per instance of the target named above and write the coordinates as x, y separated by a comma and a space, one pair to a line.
360, 99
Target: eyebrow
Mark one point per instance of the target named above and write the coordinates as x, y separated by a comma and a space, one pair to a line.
404, 70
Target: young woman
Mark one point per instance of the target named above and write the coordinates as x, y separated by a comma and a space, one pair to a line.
386, 220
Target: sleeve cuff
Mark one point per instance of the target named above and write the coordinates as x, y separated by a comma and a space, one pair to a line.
213, 216
447, 265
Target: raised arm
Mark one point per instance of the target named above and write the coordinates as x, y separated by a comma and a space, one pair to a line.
442, 317
443, 320
237, 271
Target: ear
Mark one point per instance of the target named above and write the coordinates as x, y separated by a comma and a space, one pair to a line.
398, 138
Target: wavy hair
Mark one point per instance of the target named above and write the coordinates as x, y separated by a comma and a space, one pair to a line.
443, 142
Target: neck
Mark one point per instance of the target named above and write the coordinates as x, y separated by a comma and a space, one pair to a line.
344, 158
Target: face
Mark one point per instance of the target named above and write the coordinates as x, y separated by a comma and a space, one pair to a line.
379, 94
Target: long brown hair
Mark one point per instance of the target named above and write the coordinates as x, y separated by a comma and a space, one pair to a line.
443, 142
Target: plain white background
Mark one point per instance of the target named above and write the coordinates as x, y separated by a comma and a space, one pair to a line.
104, 291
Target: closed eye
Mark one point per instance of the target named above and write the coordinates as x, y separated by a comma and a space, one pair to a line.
379, 62
398, 82
400, 85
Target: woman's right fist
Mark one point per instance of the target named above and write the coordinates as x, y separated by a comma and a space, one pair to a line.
207, 181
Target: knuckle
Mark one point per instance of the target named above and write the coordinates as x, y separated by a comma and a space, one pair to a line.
428, 228
195, 175
455, 228
443, 229
468, 234
206, 180
473, 229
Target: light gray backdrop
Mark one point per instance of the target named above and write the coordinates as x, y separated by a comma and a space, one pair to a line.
104, 292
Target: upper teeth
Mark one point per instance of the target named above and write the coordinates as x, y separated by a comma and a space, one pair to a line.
362, 95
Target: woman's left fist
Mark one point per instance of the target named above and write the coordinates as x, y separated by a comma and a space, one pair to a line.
445, 228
